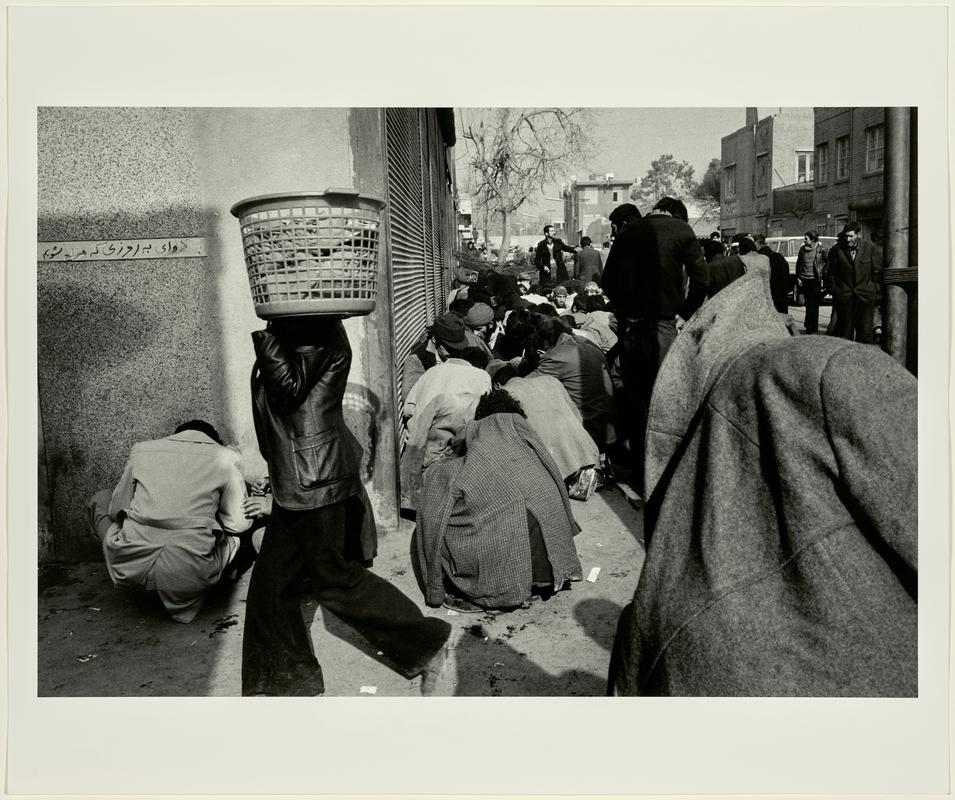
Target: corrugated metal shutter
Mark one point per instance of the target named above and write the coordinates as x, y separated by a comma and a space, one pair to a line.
406, 227
419, 209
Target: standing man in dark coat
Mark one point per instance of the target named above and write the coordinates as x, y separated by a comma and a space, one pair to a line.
650, 261
549, 261
318, 520
779, 277
713, 247
854, 267
587, 263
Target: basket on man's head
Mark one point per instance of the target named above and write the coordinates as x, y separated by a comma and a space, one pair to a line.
448, 331
312, 253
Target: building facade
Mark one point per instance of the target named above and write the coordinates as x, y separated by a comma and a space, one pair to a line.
127, 348
849, 148
587, 205
768, 174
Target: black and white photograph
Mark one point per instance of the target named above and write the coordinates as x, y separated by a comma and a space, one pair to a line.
602, 407
516, 415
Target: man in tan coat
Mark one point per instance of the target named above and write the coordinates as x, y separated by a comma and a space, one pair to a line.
172, 522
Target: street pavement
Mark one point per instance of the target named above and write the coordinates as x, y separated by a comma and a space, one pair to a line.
96, 640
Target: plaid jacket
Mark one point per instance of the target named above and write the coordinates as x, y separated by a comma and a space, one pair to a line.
472, 516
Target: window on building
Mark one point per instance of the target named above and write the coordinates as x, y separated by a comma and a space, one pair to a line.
804, 166
842, 157
616, 197
822, 163
729, 181
590, 194
874, 148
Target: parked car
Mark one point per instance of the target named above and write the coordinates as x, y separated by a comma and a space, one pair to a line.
788, 247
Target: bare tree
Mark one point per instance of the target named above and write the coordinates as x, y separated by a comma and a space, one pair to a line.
514, 152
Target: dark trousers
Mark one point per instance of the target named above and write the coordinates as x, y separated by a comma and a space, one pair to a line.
855, 319
812, 295
325, 545
644, 345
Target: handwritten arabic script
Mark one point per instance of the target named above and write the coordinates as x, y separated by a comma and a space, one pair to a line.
122, 249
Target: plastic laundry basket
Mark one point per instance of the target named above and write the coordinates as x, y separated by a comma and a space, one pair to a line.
311, 252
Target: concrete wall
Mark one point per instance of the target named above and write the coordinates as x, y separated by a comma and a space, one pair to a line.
128, 349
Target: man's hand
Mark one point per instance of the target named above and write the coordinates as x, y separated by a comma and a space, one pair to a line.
257, 506
260, 486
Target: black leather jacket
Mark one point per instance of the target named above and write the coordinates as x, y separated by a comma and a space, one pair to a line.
297, 392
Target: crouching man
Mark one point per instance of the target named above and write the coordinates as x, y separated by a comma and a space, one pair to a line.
495, 526
172, 524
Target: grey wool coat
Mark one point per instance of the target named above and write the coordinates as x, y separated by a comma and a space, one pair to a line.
781, 518
472, 516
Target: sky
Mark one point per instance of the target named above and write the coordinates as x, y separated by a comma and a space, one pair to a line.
628, 139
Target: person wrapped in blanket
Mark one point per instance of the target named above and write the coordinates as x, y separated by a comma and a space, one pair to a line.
495, 525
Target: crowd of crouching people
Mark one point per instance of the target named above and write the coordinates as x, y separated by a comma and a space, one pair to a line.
511, 407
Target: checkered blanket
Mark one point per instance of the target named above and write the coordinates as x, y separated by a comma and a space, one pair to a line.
472, 516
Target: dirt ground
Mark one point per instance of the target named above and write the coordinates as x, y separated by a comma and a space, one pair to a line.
96, 640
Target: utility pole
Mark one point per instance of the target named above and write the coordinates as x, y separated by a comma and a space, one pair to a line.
900, 273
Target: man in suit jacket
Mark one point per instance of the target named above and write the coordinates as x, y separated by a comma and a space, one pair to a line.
320, 522
548, 259
854, 267
587, 263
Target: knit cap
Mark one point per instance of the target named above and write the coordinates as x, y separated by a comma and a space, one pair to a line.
478, 315
448, 329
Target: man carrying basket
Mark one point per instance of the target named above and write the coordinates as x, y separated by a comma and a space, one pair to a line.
321, 525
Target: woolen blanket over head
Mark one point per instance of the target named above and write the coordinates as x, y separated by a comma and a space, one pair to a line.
781, 517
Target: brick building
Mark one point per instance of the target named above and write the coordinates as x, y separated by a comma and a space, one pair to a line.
849, 146
587, 205
768, 174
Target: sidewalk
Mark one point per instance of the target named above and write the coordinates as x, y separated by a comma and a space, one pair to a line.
97, 640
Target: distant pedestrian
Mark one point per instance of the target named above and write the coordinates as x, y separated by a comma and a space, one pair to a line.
779, 282
723, 271
854, 269
810, 273
604, 253
587, 263
713, 247
321, 524
651, 261
549, 259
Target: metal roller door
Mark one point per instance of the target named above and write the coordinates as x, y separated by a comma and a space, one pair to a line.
418, 198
